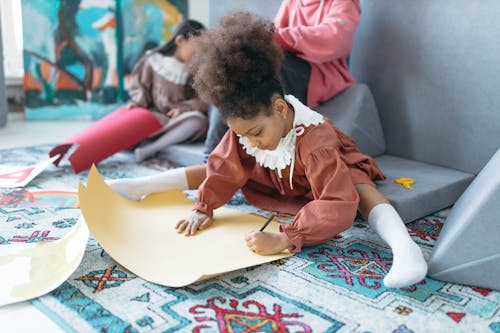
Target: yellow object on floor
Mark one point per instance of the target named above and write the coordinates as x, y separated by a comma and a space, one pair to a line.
141, 235
405, 182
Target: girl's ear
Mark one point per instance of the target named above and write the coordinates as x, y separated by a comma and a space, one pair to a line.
178, 39
280, 106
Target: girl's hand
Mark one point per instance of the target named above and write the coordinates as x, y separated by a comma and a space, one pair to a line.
174, 113
194, 222
266, 243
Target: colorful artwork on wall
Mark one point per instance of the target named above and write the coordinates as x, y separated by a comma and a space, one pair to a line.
79, 53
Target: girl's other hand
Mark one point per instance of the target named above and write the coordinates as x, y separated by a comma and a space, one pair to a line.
194, 222
266, 243
173, 113
131, 105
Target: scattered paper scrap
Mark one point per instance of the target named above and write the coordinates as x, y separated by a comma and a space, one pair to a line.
31, 269
20, 176
405, 182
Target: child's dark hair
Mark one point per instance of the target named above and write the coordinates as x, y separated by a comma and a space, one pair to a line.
186, 29
236, 66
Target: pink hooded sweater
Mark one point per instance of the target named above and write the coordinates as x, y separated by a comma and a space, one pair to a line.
320, 32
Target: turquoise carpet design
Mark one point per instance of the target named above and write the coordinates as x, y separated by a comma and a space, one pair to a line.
332, 287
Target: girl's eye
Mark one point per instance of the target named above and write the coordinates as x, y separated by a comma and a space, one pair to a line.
257, 133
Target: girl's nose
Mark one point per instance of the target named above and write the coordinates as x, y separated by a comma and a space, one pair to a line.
254, 143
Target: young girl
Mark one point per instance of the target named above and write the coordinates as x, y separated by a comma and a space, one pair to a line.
161, 83
320, 33
283, 155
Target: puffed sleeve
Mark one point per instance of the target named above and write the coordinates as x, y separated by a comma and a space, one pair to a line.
329, 40
335, 200
282, 15
226, 173
140, 83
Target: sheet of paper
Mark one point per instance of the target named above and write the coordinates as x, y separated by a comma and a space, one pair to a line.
19, 176
142, 238
115, 132
29, 270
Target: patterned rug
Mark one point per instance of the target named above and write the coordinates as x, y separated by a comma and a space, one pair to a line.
333, 287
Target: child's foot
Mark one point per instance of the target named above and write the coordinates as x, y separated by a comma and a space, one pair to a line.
267, 243
408, 267
140, 155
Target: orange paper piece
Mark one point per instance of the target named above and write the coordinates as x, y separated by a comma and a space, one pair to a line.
141, 235
115, 132
405, 182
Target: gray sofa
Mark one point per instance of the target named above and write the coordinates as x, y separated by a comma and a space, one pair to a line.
427, 105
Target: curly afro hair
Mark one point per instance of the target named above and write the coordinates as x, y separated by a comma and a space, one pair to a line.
236, 65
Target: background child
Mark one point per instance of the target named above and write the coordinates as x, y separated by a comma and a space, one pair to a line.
164, 108
283, 155
321, 33
161, 83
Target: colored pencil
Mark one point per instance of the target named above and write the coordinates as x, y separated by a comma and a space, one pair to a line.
268, 221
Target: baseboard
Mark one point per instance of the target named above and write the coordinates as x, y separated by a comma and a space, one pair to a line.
14, 89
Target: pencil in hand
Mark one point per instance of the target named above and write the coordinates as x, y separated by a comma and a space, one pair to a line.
267, 222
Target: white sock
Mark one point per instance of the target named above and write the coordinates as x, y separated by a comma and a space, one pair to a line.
408, 265
137, 188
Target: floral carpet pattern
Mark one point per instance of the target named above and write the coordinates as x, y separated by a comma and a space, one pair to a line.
332, 287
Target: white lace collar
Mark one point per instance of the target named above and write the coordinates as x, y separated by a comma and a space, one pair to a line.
169, 67
284, 155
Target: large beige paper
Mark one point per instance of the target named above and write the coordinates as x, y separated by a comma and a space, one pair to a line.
141, 235
31, 270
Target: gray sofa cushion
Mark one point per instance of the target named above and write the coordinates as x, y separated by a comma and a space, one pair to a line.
353, 111
435, 187
219, 8
468, 250
433, 68
184, 154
